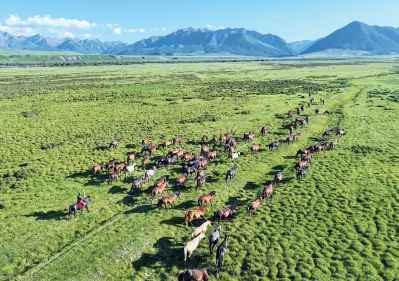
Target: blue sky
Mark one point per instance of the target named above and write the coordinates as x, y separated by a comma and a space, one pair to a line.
133, 20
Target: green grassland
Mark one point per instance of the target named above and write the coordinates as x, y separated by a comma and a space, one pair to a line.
339, 223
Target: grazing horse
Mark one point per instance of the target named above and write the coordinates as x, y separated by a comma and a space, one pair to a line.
231, 173
328, 112
149, 174
278, 177
114, 176
136, 184
224, 213
202, 228
221, 251
327, 134
190, 247
333, 144
114, 143
168, 200
97, 168
300, 174
195, 214
254, 206
206, 198
214, 238
268, 191
79, 206
198, 274
129, 169
340, 132
159, 189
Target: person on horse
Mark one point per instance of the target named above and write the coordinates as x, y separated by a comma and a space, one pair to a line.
78, 198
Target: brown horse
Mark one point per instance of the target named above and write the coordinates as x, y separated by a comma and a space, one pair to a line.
268, 191
264, 130
195, 214
159, 189
340, 132
114, 176
212, 155
198, 274
80, 206
255, 148
224, 213
206, 198
114, 143
167, 143
97, 168
131, 157
278, 177
177, 139
181, 180
254, 205
110, 165
168, 200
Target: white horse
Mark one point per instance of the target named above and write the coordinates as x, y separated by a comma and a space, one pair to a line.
234, 156
190, 247
149, 174
202, 228
129, 169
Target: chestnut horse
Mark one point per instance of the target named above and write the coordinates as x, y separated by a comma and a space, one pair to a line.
198, 274
268, 191
224, 213
80, 206
159, 189
97, 168
254, 206
206, 198
168, 200
195, 214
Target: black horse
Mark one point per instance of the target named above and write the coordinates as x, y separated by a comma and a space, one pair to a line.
231, 173
221, 251
80, 206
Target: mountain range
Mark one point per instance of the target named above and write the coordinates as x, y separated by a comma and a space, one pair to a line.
355, 37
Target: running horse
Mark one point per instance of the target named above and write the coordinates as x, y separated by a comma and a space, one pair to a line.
198, 274
80, 206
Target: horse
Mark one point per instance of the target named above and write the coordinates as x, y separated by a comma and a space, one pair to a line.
195, 214
231, 173
114, 176
221, 251
328, 112
224, 213
254, 205
187, 156
190, 170
168, 200
144, 141
129, 169
264, 130
97, 168
278, 177
214, 238
198, 274
274, 144
268, 191
181, 180
301, 164
153, 149
333, 144
80, 206
149, 174
340, 132
212, 155
120, 166
206, 198
300, 174
190, 247
131, 157
110, 165
114, 143
202, 228
177, 139
201, 181
255, 148
167, 143
136, 184
204, 138
159, 189
327, 134
145, 161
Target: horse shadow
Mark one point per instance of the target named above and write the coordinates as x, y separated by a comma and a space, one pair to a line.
173, 220
131, 146
128, 200
50, 215
79, 175
168, 254
140, 209
251, 185
117, 189
188, 204
101, 147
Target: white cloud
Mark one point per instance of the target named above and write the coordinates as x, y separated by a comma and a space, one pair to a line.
26, 31
48, 21
86, 35
117, 30
68, 34
132, 30
209, 26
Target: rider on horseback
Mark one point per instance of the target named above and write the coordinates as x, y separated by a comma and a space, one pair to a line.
78, 198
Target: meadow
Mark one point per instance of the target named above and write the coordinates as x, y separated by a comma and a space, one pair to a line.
338, 223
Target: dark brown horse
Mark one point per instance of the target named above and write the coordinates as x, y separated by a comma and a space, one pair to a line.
264, 130
168, 200
159, 189
114, 176
254, 205
224, 213
195, 214
97, 168
114, 143
181, 180
198, 274
206, 198
80, 206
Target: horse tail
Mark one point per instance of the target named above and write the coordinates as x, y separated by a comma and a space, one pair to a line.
70, 210
199, 202
185, 253
159, 205
181, 276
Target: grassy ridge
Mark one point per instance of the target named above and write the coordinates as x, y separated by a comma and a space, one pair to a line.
340, 222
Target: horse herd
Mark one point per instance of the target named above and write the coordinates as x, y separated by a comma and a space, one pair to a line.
193, 163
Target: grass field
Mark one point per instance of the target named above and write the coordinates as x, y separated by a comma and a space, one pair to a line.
339, 223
